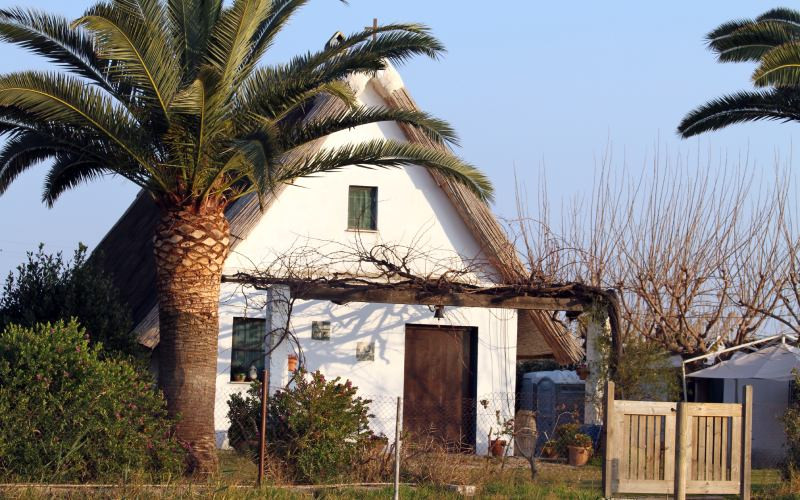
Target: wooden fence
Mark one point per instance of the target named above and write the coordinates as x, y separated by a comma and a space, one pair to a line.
677, 448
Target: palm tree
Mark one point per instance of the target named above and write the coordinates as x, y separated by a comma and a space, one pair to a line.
169, 95
773, 41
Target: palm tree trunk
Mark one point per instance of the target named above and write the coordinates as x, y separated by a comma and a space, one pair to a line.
190, 250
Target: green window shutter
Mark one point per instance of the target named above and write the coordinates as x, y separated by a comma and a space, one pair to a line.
362, 208
248, 345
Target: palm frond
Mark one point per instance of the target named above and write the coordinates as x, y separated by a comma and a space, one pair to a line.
191, 24
259, 152
52, 37
385, 154
21, 152
278, 16
752, 41
68, 171
438, 130
777, 105
44, 98
780, 67
231, 41
781, 14
727, 28
127, 34
269, 89
396, 43
26, 148
261, 96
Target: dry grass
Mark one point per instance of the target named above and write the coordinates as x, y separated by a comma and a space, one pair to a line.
430, 470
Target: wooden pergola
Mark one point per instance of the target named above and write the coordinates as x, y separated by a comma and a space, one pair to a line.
571, 297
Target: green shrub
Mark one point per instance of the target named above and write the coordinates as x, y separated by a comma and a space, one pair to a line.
318, 428
644, 373
68, 415
790, 467
46, 288
244, 413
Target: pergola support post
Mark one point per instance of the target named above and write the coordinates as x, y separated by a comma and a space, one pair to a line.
598, 326
278, 297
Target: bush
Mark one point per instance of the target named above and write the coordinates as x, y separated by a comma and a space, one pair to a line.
318, 428
790, 467
244, 413
68, 415
47, 289
645, 371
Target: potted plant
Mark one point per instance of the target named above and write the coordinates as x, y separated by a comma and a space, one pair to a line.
580, 449
498, 447
549, 449
238, 377
293, 362
564, 436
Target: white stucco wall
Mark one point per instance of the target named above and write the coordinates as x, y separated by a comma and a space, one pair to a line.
381, 379
413, 211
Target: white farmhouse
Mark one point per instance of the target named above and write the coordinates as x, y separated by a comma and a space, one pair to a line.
442, 367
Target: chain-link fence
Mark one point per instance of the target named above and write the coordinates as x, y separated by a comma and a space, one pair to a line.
458, 424
467, 425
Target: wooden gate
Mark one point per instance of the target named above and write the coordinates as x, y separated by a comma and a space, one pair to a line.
677, 448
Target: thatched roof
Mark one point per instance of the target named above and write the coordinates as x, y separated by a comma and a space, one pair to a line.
128, 254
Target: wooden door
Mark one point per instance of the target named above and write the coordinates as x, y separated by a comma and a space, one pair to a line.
439, 384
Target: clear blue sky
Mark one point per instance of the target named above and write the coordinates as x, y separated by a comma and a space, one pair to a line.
525, 83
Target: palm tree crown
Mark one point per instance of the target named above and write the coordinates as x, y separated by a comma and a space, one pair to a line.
772, 40
169, 95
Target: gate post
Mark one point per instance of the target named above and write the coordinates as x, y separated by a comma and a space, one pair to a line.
683, 452
747, 430
608, 440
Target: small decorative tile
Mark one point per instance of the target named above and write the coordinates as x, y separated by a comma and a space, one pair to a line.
321, 330
365, 351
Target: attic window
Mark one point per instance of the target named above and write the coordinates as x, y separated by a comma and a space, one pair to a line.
362, 208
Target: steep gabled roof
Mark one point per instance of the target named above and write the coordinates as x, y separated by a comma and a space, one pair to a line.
128, 252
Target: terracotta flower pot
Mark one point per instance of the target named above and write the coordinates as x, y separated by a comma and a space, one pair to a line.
292, 363
498, 447
582, 371
578, 455
549, 451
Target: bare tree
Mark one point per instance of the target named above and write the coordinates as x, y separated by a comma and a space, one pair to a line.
699, 258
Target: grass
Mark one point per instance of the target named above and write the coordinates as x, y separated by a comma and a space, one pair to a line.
237, 475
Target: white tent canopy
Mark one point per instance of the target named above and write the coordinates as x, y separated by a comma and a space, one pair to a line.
770, 363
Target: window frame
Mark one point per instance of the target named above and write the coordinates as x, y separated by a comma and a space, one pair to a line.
253, 354
373, 190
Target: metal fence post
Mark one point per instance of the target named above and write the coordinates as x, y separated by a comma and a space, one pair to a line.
262, 442
398, 430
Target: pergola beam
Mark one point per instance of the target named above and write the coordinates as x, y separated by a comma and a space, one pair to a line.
506, 297
405, 296
571, 297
